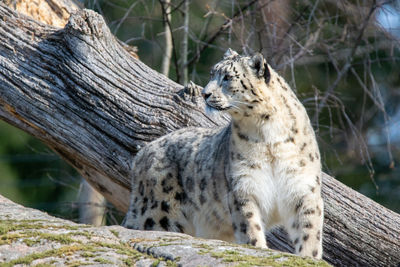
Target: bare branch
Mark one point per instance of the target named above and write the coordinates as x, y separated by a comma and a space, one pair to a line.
347, 65
168, 37
220, 31
185, 40
174, 54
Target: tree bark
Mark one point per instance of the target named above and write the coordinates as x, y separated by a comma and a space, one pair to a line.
167, 17
84, 96
92, 205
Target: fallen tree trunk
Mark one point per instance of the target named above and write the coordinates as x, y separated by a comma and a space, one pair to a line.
84, 96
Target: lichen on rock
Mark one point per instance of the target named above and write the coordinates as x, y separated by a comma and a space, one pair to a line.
32, 237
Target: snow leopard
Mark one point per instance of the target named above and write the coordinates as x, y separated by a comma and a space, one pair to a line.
236, 182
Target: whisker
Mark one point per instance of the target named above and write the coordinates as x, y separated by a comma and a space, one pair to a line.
240, 102
235, 107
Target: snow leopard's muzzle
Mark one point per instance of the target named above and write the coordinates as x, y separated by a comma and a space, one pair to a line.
214, 97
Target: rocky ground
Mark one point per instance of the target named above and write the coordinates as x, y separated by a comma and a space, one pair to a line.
31, 237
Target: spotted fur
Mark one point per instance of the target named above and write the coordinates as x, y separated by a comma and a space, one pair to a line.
237, 182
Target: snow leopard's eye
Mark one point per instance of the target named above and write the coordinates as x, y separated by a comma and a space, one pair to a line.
226, 78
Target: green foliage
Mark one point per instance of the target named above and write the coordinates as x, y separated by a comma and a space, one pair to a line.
33, 175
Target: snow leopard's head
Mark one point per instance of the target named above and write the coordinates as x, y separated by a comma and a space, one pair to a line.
237, 83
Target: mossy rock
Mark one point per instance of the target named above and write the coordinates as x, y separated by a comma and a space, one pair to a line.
30, 237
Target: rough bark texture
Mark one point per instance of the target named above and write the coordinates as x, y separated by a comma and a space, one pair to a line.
79, 92
31, 237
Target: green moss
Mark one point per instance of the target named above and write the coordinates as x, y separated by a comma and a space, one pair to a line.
128, 262
155, 264
34, 237
60, 238
244, 260
203, 251
85, 233
121, 248
8, 238
60, 252
76, 264
34, 256
103, 261
203, 246
7, 226
115, 233
249, 260
30, 242
87, 254
170, 263
29, 233
11, 230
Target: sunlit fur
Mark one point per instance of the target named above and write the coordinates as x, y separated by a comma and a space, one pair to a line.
239, 181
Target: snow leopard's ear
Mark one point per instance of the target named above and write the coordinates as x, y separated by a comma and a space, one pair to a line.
230, 53
260, 66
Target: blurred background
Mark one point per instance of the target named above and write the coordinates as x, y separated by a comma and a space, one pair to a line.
340, 57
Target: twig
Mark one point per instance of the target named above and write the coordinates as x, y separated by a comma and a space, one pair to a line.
217, 33
385, 119
124, 17
347, 65
312, 40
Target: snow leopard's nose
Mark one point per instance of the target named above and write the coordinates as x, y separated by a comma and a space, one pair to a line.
207, 91
205, 95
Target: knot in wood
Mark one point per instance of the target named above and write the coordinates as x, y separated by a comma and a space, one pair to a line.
192, 93
87, 22
192, 89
